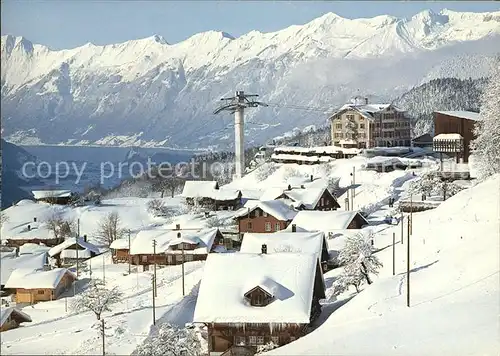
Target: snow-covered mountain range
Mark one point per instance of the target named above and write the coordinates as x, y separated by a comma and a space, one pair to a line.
149, 92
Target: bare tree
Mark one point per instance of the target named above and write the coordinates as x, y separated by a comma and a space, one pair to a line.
171, 341
3, 218
96, 298
60, 227
109, 228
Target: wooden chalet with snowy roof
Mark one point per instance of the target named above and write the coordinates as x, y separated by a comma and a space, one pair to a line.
308, 198
327, 221
53, 196
263, 296
174, 246
207, 194
264, 216
73, 249
11, 318
32, 285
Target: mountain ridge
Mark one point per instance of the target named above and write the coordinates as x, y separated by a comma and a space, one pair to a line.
148, 91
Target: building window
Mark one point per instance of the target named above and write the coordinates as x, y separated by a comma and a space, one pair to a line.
349, 117
178, 258
144, 258
239, 340
277, 227
249, 225
338, 126
257, 213
361, 126
257, 300
321, 202
252, 340
264, 214
275, 339
189, 257
268, 226
260, 340
41, 292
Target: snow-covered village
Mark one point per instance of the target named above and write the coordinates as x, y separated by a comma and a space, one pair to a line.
330, 186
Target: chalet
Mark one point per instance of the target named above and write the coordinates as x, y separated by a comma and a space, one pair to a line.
61, 197
459, 123
285, 241
10, 318
194, 246
73, 249
264, 216
120, 250
30, 232
327, 221
263, 298
208, 194
13, 261
422, 141
172, 244
311, 199
33, 286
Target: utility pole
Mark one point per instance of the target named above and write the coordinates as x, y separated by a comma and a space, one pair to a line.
353, 186
393, 253
155, 292
408, 272
411, 213
182, 249
76, 246
153, 289
103, 269
129, 252
402, 226
103, 337
236, 105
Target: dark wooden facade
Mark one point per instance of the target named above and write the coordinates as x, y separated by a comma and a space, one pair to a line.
326, 202
47, 242
57, 200
214, 204
259, 221
357, 222
120, 255
447, 124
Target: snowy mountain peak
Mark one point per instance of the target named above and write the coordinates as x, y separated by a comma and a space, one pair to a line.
429, 17
159, 39
10, 43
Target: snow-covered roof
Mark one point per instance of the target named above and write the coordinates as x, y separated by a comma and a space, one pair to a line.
309, 197
70, 242
298, 149
43, 194
227, 277
276, 208
272, 193
469, 115
10, 263
225, 194
120, 244
323, 220
366, 110
292, 157
204, 239
28, 278
298, 242
6, 312
143, 242
336, 238
378, 160
31, 248
199, 188
74, 254
448, 136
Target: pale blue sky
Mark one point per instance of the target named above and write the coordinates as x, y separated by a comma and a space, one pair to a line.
70, 23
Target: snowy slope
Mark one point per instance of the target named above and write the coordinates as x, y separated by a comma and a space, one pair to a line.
454, 283
141, 91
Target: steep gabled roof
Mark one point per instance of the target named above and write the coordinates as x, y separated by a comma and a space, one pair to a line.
199, 188
309, 197
469, 115
70, 242
276, 208
228, 277
143, 241
6, 312
367, 110
324, 220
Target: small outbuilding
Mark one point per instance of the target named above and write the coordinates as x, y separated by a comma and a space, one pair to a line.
11, 318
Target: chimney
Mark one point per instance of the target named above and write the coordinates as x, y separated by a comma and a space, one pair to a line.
302, 186
312, 178
289, 187
85, 238
34, 219
178, 235
264, 249
294, 228
17, 251
177, 226
366, 101
29, 227
207, 214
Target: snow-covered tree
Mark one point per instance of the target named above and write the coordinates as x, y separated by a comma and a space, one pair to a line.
431, 184
265, 170
486, 146
96, 298
171, 341
358, 261
109, 228
215, 221
267, 347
